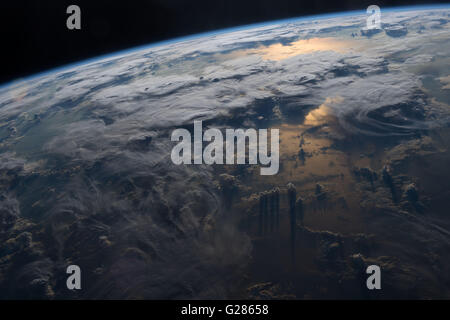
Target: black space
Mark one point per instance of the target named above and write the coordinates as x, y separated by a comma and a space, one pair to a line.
34, 36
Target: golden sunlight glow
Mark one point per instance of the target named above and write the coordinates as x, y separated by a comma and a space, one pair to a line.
18, 91
278, 51
445, 82
319, 116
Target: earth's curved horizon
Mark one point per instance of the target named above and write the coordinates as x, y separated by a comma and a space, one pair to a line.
73, 65
86, 176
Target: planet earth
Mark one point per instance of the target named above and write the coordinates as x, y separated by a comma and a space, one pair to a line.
86, 176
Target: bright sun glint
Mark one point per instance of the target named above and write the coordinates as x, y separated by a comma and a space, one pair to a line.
279, 51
